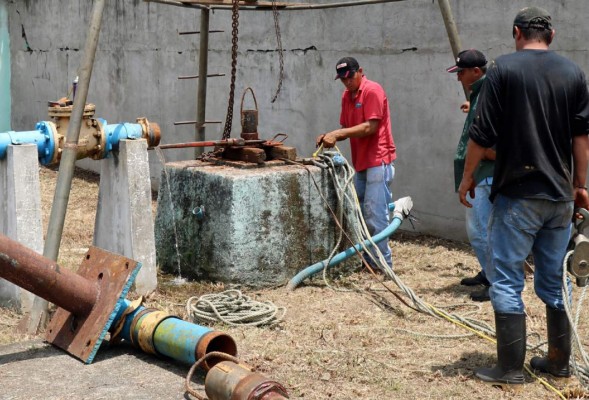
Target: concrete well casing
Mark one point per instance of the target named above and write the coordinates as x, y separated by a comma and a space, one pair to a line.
260, 226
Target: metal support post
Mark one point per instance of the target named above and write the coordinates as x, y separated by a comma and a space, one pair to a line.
38, 315
201, 96
452, 31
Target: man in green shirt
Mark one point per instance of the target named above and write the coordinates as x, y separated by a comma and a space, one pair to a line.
470, 68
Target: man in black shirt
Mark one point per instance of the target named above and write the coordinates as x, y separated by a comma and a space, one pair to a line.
534, 107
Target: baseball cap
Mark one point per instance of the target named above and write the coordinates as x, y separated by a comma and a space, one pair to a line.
346, 67
468, 59
533, 18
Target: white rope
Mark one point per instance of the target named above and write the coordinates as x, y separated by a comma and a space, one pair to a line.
233, 308
581, 367
347, 197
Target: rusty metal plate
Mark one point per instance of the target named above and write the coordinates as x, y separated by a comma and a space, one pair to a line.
81, 336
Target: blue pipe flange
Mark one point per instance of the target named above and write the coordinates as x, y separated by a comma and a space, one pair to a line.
47, 149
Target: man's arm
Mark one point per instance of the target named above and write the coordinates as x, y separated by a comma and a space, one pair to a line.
580, 163
490, 154
474, 154
364, 129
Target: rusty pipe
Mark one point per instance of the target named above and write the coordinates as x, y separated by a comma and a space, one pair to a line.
45, 278
227, 380
212, 143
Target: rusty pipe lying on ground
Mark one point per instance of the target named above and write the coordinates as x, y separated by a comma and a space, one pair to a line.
43, 277
92, 299
88, 300
157, 332
230, 381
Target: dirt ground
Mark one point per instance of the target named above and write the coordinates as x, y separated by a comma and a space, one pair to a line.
353, 338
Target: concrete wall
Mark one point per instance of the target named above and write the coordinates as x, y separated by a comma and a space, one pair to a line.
402, 45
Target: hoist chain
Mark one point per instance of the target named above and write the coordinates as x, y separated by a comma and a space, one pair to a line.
234, 35
280, 50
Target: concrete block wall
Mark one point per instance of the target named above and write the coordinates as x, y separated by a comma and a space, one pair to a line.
403, 45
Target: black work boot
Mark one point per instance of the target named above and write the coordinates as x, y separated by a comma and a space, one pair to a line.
478, 279
511, 352
481, 295
559, 345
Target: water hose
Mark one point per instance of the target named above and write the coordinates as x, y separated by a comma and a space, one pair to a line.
400, 208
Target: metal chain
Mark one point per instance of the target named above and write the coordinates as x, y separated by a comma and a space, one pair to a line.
234, 37
280, 50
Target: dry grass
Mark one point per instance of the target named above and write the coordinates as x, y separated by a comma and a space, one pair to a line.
345, 344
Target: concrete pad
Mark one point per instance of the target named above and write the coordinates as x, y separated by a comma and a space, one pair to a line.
34, 369
259, 226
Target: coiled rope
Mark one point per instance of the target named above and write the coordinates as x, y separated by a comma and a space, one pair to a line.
233, 308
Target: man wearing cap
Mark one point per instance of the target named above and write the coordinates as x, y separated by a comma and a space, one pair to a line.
470, 68
534, 107
365, 120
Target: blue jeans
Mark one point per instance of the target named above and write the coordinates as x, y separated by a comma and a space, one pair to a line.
373, 187
477, 220
516, 228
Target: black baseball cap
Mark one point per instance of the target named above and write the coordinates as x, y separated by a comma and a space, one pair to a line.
468, 59
346, 67
533, 18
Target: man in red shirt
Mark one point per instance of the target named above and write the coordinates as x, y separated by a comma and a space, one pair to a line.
365, 121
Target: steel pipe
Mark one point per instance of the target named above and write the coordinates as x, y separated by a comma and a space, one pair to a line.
43, 277
159, 333
256, 7
203, 67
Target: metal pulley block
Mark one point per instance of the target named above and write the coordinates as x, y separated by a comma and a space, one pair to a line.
578, 264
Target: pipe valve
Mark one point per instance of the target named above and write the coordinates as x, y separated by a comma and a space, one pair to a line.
97, 138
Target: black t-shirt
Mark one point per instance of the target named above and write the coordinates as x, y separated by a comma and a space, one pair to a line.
531, 105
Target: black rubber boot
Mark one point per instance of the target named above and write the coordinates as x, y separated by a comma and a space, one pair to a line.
511, 352
481, 295
559, 345
478, 279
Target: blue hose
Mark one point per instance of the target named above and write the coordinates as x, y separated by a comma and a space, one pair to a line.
338, 258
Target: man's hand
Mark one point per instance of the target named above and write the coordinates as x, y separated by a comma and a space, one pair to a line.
467, 185
581, 198
328, 139
465, 107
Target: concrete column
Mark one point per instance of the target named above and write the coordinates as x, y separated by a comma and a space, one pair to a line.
124, 220
20, 212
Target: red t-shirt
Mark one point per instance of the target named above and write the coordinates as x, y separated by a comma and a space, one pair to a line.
370, 103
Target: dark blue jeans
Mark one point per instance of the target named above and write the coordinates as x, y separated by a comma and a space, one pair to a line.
516, 228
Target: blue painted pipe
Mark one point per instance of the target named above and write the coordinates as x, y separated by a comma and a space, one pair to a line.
175, 338
42, 136
44, 139
117, 132
344, 255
